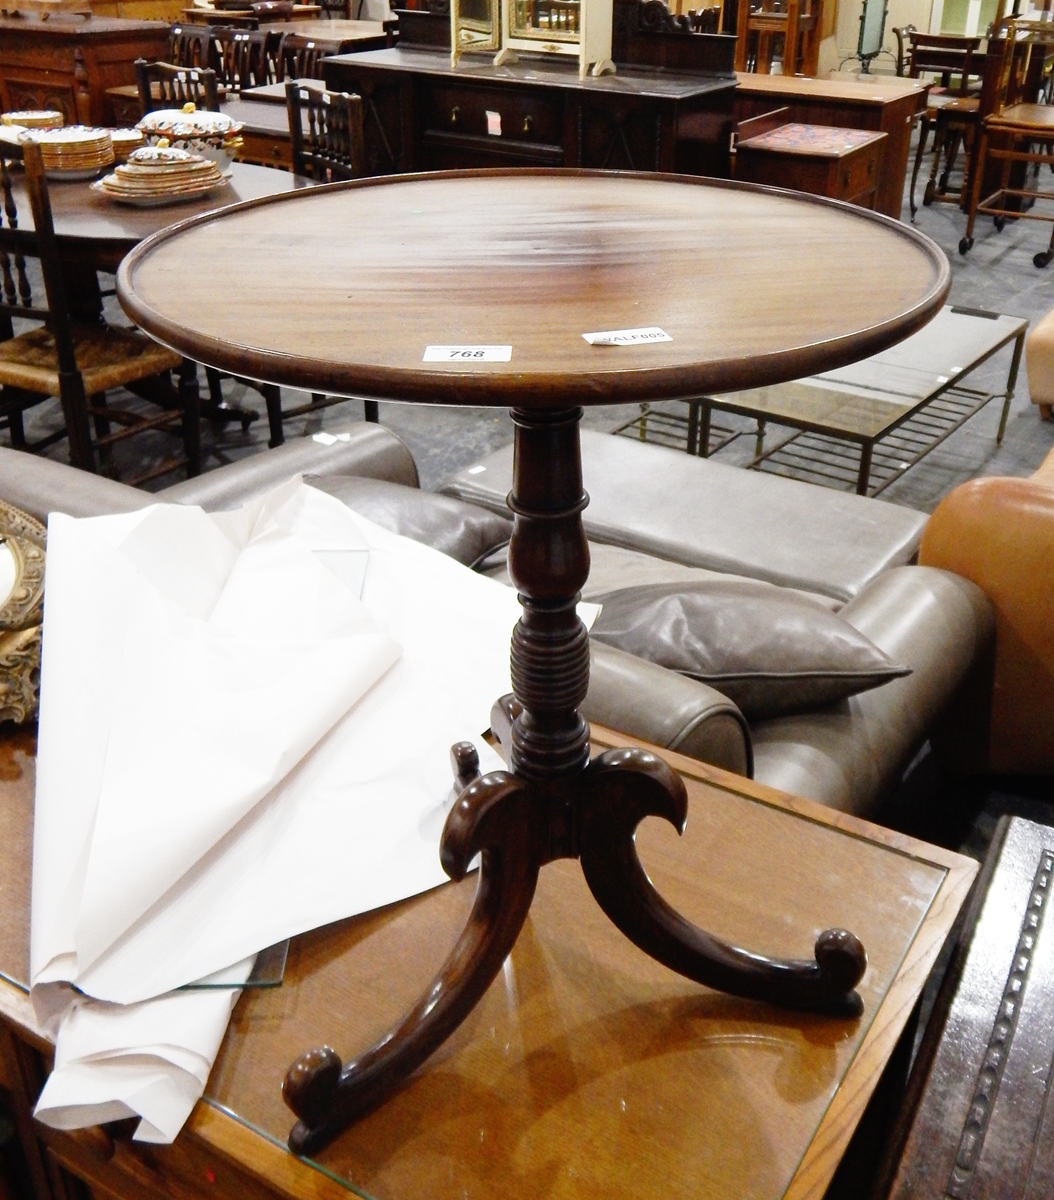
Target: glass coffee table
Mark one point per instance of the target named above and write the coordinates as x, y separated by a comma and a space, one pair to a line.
866, 424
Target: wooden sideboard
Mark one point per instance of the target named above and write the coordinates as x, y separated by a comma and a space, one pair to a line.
887, 107
588, 1070
421, 115
68, 62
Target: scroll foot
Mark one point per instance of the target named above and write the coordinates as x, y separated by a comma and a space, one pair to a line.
493, 817
620, 789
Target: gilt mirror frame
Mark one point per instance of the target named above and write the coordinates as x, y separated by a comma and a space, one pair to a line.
21, 615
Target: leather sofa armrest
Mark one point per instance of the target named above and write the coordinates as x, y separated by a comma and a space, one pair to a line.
370, 450
999, 533
646, 701
39, 486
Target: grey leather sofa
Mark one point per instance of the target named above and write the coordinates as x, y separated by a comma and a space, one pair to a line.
666, 518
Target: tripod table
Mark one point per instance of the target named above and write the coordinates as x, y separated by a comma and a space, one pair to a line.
541, 291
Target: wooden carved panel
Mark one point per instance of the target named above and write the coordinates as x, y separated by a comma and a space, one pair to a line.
58, 94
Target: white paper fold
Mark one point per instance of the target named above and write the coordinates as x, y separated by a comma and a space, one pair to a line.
150, 1060
235, 746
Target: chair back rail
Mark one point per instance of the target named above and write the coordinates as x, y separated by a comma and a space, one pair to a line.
325, 129
189, 45
244, 58
301, 57
175, 86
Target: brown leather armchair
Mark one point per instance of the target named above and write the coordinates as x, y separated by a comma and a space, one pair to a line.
999, 533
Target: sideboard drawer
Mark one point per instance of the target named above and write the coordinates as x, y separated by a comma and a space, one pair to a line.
521, 116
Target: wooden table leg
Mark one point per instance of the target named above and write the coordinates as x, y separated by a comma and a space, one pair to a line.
554, 803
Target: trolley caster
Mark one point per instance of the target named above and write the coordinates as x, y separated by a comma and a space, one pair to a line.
965, 245
1043, 258
999, 223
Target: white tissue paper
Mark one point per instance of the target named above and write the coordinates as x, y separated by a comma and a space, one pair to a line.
245, 727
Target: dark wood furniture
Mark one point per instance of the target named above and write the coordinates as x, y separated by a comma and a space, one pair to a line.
421, 115
843, 164
793, 25
1017, 131
301, 57
667, 109
350, 36
325, 129
589, 1064
67, 63
531, 261
77, 362
162, 85
980, 1123
953, 115
887, 107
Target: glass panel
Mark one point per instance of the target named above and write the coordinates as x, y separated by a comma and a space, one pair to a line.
477, 24
546, 20
872, 27
582, 1041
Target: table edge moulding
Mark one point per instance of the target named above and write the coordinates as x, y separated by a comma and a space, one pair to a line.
553, 802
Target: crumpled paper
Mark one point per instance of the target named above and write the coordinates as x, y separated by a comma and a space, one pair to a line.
245, 729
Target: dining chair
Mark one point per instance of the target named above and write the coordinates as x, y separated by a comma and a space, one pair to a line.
164, 85
188, 45
952, 107
244, 58
301, 57
762, 24
77, 362
1015, 130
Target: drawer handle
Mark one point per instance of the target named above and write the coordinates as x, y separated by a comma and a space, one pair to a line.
455, 115
528, 124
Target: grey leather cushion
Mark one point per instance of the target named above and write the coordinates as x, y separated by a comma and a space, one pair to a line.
708, 514
463, 531
770, 652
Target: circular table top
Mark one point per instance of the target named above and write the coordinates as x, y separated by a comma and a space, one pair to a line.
342, 289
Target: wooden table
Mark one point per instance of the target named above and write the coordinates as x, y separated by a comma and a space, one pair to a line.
352, 36
215, 16
68, 62
483, 295
97, 233
587, 1068
888, 107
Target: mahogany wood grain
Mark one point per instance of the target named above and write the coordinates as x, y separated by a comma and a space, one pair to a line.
535, 259
723, 1098
92, 229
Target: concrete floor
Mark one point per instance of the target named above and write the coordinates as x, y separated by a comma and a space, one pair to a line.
997, 275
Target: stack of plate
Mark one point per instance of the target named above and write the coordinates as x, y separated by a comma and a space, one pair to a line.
74, 151
161, 175
34, 118
125, 141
